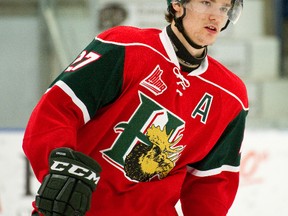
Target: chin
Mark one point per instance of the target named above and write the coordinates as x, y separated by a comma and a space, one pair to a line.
207, 41
210, 42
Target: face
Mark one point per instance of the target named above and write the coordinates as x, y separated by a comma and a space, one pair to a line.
204, 19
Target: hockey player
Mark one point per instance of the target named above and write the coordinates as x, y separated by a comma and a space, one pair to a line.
162, 120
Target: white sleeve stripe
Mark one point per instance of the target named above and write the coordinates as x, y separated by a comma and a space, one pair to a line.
212, 172
233, 95
74, 98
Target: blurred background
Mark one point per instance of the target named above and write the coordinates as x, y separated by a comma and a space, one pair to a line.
39, 38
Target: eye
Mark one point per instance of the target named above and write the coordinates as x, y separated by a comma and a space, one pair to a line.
207, 3
224, 9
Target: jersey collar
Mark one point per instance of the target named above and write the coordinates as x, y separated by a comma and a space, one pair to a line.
172, 55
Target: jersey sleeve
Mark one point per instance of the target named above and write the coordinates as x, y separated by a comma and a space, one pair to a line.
92, 81
211, 184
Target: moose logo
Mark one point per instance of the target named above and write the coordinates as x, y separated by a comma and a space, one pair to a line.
146, 146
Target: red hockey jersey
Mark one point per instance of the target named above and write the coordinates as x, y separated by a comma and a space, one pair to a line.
160, 134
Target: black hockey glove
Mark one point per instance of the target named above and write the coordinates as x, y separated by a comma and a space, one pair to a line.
68, 187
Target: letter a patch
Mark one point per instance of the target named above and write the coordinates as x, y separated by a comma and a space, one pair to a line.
203, 107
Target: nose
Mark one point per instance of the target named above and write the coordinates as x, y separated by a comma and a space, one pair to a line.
217, 19
214, 17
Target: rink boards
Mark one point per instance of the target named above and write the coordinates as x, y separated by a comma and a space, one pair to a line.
263, 175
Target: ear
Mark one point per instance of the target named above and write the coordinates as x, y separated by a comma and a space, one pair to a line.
178, 8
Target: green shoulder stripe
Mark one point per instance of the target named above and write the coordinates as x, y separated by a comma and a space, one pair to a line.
226, 152
96, 75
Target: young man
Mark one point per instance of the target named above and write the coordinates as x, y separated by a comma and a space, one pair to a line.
161, 119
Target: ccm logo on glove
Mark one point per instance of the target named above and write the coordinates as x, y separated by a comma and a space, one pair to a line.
76, 170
